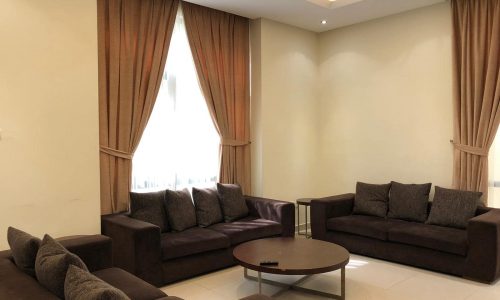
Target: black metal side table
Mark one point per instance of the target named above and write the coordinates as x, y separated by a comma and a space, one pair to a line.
305, 202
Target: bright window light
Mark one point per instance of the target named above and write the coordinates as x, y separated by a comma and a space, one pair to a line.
180, 145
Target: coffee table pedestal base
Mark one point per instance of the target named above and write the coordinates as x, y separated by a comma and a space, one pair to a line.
295, 286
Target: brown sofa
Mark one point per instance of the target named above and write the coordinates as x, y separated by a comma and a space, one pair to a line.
161, 258
472, 253
96, 252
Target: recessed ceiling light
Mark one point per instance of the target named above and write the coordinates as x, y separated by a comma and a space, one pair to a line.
323, 22
332, 0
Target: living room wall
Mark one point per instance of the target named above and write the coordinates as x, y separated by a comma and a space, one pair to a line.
369, 102
386, 101
49, 163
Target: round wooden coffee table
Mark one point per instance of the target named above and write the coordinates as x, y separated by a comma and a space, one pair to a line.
295, 257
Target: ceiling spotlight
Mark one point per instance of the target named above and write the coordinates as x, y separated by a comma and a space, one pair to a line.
323, 22
332, 0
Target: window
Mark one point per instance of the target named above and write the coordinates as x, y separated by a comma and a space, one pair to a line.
494, 173
180, 145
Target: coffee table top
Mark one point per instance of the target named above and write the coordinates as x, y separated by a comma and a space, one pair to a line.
295, 256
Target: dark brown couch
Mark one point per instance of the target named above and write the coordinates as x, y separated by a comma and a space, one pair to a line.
472, 253
161, 258
96, 252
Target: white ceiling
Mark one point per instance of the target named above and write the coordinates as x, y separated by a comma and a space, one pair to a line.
308, 14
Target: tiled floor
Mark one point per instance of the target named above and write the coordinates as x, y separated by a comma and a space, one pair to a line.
366, 278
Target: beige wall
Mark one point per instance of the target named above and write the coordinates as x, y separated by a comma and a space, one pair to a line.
49, 176
385, 103
369, 102
284, 111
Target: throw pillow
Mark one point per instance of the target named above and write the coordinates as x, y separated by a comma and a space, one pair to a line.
81, 285
409, 201
23, 247
232, 202
51, 265
453, 208
206, 202
148, 207
371, 199
180, 210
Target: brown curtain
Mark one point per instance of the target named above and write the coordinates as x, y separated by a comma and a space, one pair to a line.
133, 37
476, 33
220, 45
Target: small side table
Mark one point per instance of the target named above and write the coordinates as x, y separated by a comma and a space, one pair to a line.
305, 202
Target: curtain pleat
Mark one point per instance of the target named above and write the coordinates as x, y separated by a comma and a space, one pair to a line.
219, 43
133, 41
476, 34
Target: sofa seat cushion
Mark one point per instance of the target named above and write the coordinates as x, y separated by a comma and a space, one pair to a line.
135, 288
446, 239
247, 229
369, 226
191, 241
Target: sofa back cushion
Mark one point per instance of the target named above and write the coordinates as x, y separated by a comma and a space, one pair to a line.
81, 285
371, 199
208, 211
149, 207
24, 248
453, 208
232, 202
409, 201
52, 263
180, 210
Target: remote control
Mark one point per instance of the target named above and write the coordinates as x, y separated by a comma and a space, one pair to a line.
269, 263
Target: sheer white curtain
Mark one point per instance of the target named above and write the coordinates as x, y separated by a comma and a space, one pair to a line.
180, 146
494, 173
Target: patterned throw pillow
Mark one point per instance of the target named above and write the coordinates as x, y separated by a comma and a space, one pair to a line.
453, 208
208, 211
81, 285
409, 201
180, 210
232, 202
52, 263
371, 199
149, 207
23, 247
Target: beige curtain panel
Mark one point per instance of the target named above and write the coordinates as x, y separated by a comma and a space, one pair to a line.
220, 45
476, 33
133, 40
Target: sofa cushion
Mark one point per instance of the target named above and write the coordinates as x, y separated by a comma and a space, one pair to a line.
232, 202
149, 207
409, 201
81, 285
191, 241
371, 199
208, 211
446, 239
135, 288
369, 226
453, 208
180, 210
24, 248
247, 229
51, 265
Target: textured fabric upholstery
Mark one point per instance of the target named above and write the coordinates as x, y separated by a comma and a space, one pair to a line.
24, 248
249, 228
232, 202
191, 241
446, 239
282, 212
369, 226
208, 211
96, 251
409, 201
149, 207
132, 286
371, 199
81, 285
180, 210
325, 208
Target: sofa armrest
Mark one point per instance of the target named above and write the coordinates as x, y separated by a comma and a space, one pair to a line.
282, 212
94, 250
324, 208
483, 257
136, 246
